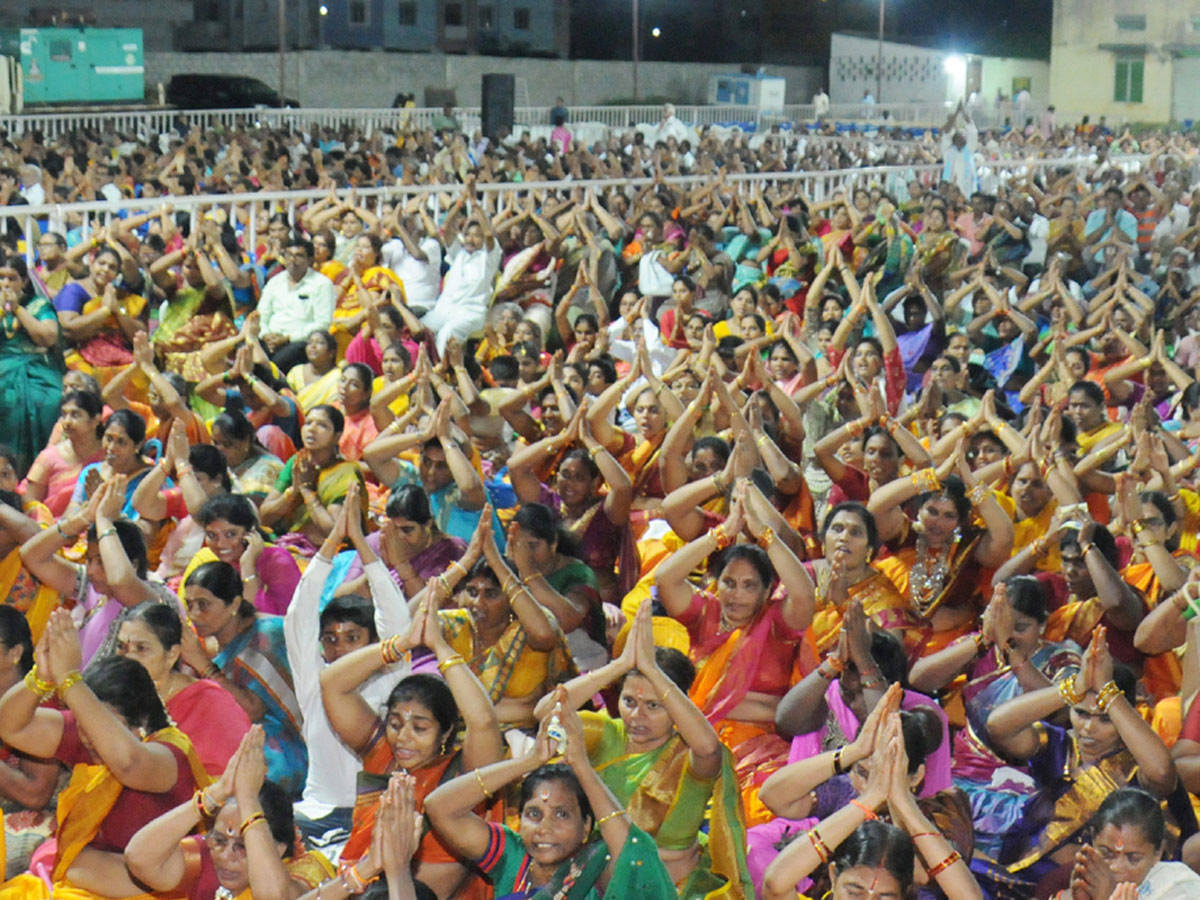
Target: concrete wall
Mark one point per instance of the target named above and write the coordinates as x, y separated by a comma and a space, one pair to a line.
910, 74
998, 72
337, 78
1084, 52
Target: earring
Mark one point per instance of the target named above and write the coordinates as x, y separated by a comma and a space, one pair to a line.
957, 535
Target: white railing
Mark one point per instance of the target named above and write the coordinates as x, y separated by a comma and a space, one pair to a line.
158, 120
816, 185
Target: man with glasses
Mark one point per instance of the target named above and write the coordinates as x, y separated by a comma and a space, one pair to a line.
294, 304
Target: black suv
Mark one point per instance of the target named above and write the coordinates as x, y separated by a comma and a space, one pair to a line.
222, 92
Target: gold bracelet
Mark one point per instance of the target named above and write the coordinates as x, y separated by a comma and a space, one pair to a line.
1066, 687
767, 538
487, 795
978, 494
389, 652
43, 689
461, 567
597, 450
455, 660
69, 681
944, 865
925, 480
1107, 695
611, 815
251, 822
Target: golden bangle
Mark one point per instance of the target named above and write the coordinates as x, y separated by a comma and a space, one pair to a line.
767, 538
1066, 687
597, 450
978, 494
69, 681
1137, 526
43, 689
611, 815
454, 563
819, 846
1107, 695
455, 660
944, 864
487, 795
251, 822
855, 428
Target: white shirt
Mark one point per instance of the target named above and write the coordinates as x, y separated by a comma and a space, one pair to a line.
468, 283
1039, 229
297, 310
332, 767
421, 279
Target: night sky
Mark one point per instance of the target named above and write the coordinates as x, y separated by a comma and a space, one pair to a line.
797, 31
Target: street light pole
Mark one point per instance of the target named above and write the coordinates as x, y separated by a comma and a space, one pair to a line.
282, 47
879, 56
635, 51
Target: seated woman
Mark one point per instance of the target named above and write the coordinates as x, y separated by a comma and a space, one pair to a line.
845, 575
653, 408
560, 805
55, 472
315, 382
231, 535
201, 474
130, 763
364, 274
871, 857
661, 746
389, 321
99, 319
512, 642
152, 634
1008, 657
354, 399
594, 518
547, 563
261, 856
804, 788
416, 733
115, 570
255, 470
1125, 861
124, 432
745, 637
28, 793
390, 391
30, 382
409, 543
251, 662
1108, 745
312, 486
199, 306
250, 387
938, 566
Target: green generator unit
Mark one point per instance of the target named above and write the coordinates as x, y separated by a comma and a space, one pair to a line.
78, 65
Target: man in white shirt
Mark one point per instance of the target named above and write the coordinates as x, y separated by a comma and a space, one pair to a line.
294, 304
461, 308
960, 139
316, 637
31, 185
418, 263
820, 104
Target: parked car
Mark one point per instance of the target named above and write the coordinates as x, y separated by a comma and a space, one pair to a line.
222, 92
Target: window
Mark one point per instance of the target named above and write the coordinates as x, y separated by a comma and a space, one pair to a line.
487, 18
60, 51
1128, 86
408, 14
208, 11
453, 14
521, 18
358, 12
1131, 23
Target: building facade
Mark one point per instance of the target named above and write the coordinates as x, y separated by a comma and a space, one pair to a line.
495, 27
1127, 60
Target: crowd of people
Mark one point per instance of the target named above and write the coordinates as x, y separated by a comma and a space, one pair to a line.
708, 541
